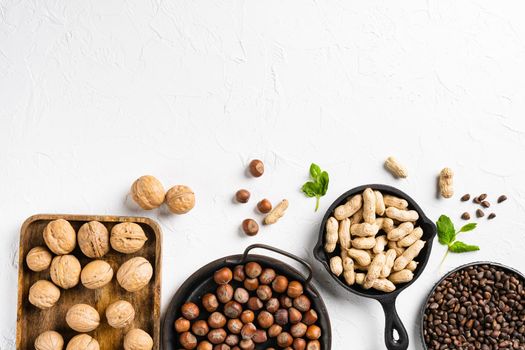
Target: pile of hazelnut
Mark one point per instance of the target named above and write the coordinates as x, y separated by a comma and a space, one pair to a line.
65, 271
147, 191
252, 306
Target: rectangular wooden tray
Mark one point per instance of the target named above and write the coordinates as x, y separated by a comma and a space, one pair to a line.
32, 321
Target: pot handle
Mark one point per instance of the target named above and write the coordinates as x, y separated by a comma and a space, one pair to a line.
393, 323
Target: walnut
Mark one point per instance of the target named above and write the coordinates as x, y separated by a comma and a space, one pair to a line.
147, 192
38, 259
43, 294
60, 236
93, 239
180, 199
127, 237
96, 274
137, 339
83, 342
120, 314
134, 274
65, 271
49, 340
82, 318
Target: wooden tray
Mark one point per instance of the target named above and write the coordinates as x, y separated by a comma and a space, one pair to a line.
32, 321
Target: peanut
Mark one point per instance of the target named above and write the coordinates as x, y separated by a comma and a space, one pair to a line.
402, 276
336, 265
364, 229
276, 213
361, 267
331, 236
384, 285
348, 271
401, 231
344, 233
395, 167
408, 240
381, 242
364, 242
357, 218
390, 257
412, 265
408, 255
369, 206
380, 203
349, 208
374, 270
393, 245
385, 224
359, 278
360, 256
401, 215
446, 184
392, 201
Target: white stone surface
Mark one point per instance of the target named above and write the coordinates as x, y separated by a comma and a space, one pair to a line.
94, 94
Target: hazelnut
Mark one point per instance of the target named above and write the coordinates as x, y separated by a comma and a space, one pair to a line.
299, 344
284, 340
255, 304
83, 342
200, 328
267, 276
286, 302
82, 318
259, 336
137, 339
294, 315
216, 320
49, 340
238, 273
302, 303
298, 330
247, 316
60, 237
247, 344
222, 347
242, 196
281, 317
295, 289
182, 325
205, 345
224, 293
272, 305
265, 319
65, 271
43, 294
38, 259
180, 199
251, 284
256, 168
134, 274
232, 340
190, 311
223, 276
120, 314
313, 332
264, 206
248, 331
147, 192
241, 295
93, 239
232, 309
280, 284
310, 317
210, 302
235, 326
274, 330
187, 340
253, 269
313, 345
250, 227
96, 274
264, 292
217, 336
127, 237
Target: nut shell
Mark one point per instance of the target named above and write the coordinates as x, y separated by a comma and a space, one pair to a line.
180, 199
65, 271
60, 237
93, 239
127, 237
137, 339
134, 274
120, 314
49, 340
147, 191
82, 318
38, 259
43, 294
83, 342
96, 274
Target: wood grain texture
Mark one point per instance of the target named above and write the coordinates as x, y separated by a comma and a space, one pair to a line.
32, 321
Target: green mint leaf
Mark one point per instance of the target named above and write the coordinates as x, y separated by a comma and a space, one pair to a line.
445, 230
460, 247
323, 183
468, 227
310, 189
315, 171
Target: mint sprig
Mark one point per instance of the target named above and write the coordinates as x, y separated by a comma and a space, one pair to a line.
319, 184
447, 235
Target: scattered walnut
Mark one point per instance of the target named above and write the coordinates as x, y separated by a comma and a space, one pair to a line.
65, 271
43, 294
120, 314
134, 274
82, 318
147, 192
180, 199
38, 259
96, 274
93, 239
127, 237
60, 237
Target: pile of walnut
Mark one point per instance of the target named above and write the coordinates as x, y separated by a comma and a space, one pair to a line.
377, 241
66, 272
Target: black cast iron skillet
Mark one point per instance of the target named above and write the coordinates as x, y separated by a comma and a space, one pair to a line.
423, 307
201, 282
387, 300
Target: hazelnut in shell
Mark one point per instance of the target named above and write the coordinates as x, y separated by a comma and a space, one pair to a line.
38, 259
65, 271
147, 191
93, 239
127, 237
180, 199
82, 318
83, 342
134, 274
49, 340
137, 339
120, 314
96, 274
60, 237
43, 294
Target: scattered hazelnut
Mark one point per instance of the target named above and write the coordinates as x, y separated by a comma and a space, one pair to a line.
253, 269
43, 294
134, 274
267, 276
298, 330
96, 274
83, 342
127, 237
38, 259
82, 318
210, 302
238, 273
294, 289
180, 199
241, 295
247, 316
248, 330
256, 168
60, 237
264, 206
302, 303
265, 319
255, 304
190, 311
224, 293
223, 276
120, 314
242, 196
137, 339
217, 336
284, 340
147, 191
272, 305
251, 284
294, 315
232, 309
65, 271
182, 325
93, 239
200, 328
235, 326
310, 317
259, 336
274, 330
187, 340
280, 284
250, 227
264, 292
281, 317
49, 340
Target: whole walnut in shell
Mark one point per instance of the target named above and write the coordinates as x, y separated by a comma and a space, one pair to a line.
120, 314
134, 274
43, 294
180, 199
82, 318
49, 340
93, 239
38, 259
127, 237
60, 237
147, 192
65, 271
83, 342
96, 274
137, 339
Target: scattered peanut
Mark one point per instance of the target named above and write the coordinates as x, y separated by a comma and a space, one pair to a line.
380, 203
392, 201
360, 256
402, 276
344, 233
446, 185
369, 206
408, 255
331, 236
401, 215
336, 265
348, 270
276, 212
364, 229
364, 242
395, 167
349, 208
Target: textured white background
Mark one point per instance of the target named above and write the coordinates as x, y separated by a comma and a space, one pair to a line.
94, 94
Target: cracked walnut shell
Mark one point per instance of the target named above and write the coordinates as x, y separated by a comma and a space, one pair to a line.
38, 259
180, 199
82, 318
137, 339
83, 342
43, 294
65, 271
134, 274
60, 237
96, 274
49, 340
120, 314
93, 239
147, 191
127, 237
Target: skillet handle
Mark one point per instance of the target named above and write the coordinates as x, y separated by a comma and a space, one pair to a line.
393, 322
